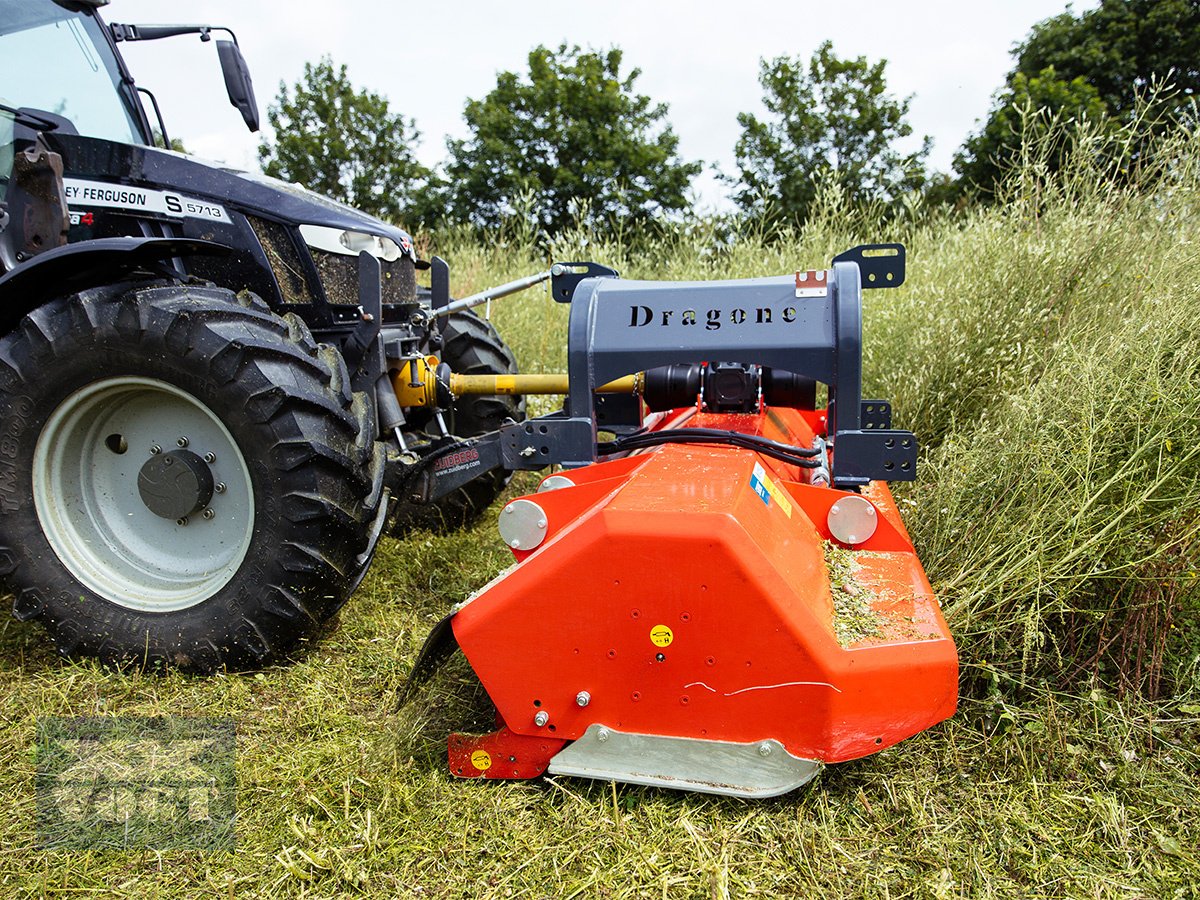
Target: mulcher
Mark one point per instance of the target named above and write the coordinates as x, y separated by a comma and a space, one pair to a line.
722, 596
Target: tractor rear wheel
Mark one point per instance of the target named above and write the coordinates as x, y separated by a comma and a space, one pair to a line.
186, 478
470, 346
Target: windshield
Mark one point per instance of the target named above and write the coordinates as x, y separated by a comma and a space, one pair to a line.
60, 62
6, 152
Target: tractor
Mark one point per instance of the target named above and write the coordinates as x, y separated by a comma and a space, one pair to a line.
202, 439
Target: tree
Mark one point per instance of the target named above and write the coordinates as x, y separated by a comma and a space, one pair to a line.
831, 118
344, 143
1094, 64
1030, 110
571, 137
1119, 48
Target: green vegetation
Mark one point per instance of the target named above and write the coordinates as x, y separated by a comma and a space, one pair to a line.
1098, 64
830, 120
571, 142
1047, 352
344, 143
573, 131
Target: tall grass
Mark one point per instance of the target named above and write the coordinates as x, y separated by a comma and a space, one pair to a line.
1047, 354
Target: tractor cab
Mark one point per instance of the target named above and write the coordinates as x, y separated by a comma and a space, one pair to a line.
59, 72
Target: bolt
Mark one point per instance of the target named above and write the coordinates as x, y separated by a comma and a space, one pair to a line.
210, 457
182, 442
181, 521
528, 452
208, 513
764, 750
167, 461
870, 510
541, 523
515, 543
541, 718
220, 488
508, 509
583, 698
834, 511
660, 656
155, 449
602, 735
557, 269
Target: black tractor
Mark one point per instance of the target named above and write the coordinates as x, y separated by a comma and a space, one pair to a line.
203, 372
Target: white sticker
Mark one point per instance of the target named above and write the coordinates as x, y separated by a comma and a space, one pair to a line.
85, 194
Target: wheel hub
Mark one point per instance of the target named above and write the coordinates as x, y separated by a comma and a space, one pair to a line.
175, 485
116, 519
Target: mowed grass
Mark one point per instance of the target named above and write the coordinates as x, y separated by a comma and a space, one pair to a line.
340, 795
1046, 353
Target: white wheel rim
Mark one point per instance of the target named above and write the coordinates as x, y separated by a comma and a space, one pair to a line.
85, 490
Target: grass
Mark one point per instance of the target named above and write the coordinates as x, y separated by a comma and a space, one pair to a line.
1046, 352
341, 796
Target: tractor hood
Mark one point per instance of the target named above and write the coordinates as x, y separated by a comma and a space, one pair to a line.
92, 159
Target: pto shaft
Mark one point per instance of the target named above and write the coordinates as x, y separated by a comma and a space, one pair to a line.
464, 385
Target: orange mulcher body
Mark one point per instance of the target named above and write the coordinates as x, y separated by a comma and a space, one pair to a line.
688, 618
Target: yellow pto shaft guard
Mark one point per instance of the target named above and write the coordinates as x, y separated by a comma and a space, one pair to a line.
462, 385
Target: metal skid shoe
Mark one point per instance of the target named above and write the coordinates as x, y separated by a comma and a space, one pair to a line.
729, 600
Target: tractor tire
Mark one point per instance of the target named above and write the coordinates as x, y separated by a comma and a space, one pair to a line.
186, 478
471, 346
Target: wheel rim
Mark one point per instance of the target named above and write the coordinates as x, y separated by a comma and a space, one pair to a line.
85, 490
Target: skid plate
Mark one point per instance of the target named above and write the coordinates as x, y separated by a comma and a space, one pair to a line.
759, 769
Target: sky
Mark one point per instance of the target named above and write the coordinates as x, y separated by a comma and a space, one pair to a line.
701, 58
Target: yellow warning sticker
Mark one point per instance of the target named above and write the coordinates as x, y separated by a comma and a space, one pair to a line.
661, 636
506, 384
481, 760
767, 490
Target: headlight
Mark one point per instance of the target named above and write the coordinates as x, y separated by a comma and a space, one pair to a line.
350, 243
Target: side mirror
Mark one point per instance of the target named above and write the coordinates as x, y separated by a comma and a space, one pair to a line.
238, 83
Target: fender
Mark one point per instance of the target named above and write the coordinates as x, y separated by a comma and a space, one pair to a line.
88, 264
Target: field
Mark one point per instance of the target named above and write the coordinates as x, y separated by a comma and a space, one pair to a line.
1047, 353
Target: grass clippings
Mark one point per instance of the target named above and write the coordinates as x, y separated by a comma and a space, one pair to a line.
854, 618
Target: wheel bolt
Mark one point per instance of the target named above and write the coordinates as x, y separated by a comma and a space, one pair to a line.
220, 487
210, 457
155, 450
181, 521
208, 513
182, 442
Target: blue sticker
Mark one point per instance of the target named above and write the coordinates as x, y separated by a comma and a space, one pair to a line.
759, 488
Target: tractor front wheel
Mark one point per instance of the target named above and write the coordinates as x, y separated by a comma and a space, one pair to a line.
186, 478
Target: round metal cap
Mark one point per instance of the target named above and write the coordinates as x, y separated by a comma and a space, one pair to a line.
554, 483
176, 484
853, 520
523, 525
